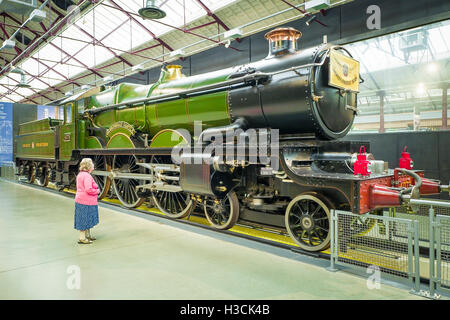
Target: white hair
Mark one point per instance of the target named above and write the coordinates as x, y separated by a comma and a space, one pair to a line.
86, 164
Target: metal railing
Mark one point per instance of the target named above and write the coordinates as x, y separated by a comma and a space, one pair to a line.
362, 241
422, 215
438, 244
8, 170
408, 245
442, 254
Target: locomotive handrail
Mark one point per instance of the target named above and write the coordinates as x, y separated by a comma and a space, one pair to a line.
222, 85
183, 93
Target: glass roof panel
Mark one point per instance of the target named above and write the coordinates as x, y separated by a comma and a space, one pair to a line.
118, 29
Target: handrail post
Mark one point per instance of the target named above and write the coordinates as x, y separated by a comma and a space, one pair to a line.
431, 251
333, 218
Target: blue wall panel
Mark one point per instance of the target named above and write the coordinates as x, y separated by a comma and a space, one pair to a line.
6, 133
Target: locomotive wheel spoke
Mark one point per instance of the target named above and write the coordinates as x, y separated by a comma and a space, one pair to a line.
310, 230
125, 189
31, 173
102, 163
175, 205
42, 176
222, 214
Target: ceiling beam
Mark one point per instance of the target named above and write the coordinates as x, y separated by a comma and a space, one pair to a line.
162, 42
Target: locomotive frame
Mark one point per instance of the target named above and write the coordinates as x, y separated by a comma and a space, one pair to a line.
131, 131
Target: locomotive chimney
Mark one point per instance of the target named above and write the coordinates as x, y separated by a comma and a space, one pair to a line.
175, 72
171, 72
282, 41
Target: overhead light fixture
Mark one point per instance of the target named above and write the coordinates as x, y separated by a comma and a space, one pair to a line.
23, 82
68, 93
432, 68
420, 88
85, 87
308, 22
151, 11
177, 53
139, 67
108, 78
316, 5
38, 15
16, 70
8, 44
233, 34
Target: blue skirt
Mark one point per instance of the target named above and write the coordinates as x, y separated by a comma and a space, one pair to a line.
86, 216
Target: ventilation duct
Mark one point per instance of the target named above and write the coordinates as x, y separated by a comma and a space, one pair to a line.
22, 7
63, 4
22, 38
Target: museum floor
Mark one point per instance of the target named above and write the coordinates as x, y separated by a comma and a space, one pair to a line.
141, 258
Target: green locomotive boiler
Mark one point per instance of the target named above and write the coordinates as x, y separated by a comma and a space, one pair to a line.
130, 131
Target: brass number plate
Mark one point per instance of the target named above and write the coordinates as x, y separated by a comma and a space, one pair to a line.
67, 136
344, 72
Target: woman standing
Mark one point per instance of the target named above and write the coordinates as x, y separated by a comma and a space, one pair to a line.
86, 205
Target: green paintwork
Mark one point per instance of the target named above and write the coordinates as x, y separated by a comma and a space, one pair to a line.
103, 98
36, 145
167, 139
154, 119
120, 141
120, 130
134, 116
38, 125
93, 143
105, 119
67, 135
211, 109
131, 91
81, 134
36, 139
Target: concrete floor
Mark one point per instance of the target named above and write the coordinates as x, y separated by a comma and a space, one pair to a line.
138, 258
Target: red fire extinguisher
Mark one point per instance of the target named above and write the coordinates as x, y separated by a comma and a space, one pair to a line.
362, 165
405, 161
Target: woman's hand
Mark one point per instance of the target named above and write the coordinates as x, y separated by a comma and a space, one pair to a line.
91, 187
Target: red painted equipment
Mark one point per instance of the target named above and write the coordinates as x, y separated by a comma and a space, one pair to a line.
383, 197
429, 187
361, 165
405, 161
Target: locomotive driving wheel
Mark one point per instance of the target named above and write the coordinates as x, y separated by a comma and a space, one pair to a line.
125, 188
102, 163
21, 169
31, 171
175, 205
307, 221
222, 214
42, 175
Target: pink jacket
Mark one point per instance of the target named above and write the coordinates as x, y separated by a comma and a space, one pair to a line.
87, 189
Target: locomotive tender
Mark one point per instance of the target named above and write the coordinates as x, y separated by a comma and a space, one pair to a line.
309, 95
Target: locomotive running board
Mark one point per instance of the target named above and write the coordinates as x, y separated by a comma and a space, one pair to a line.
121, 152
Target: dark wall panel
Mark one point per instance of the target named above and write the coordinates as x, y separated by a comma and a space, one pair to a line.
429, 150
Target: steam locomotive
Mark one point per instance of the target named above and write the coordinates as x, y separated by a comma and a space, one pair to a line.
304, 100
